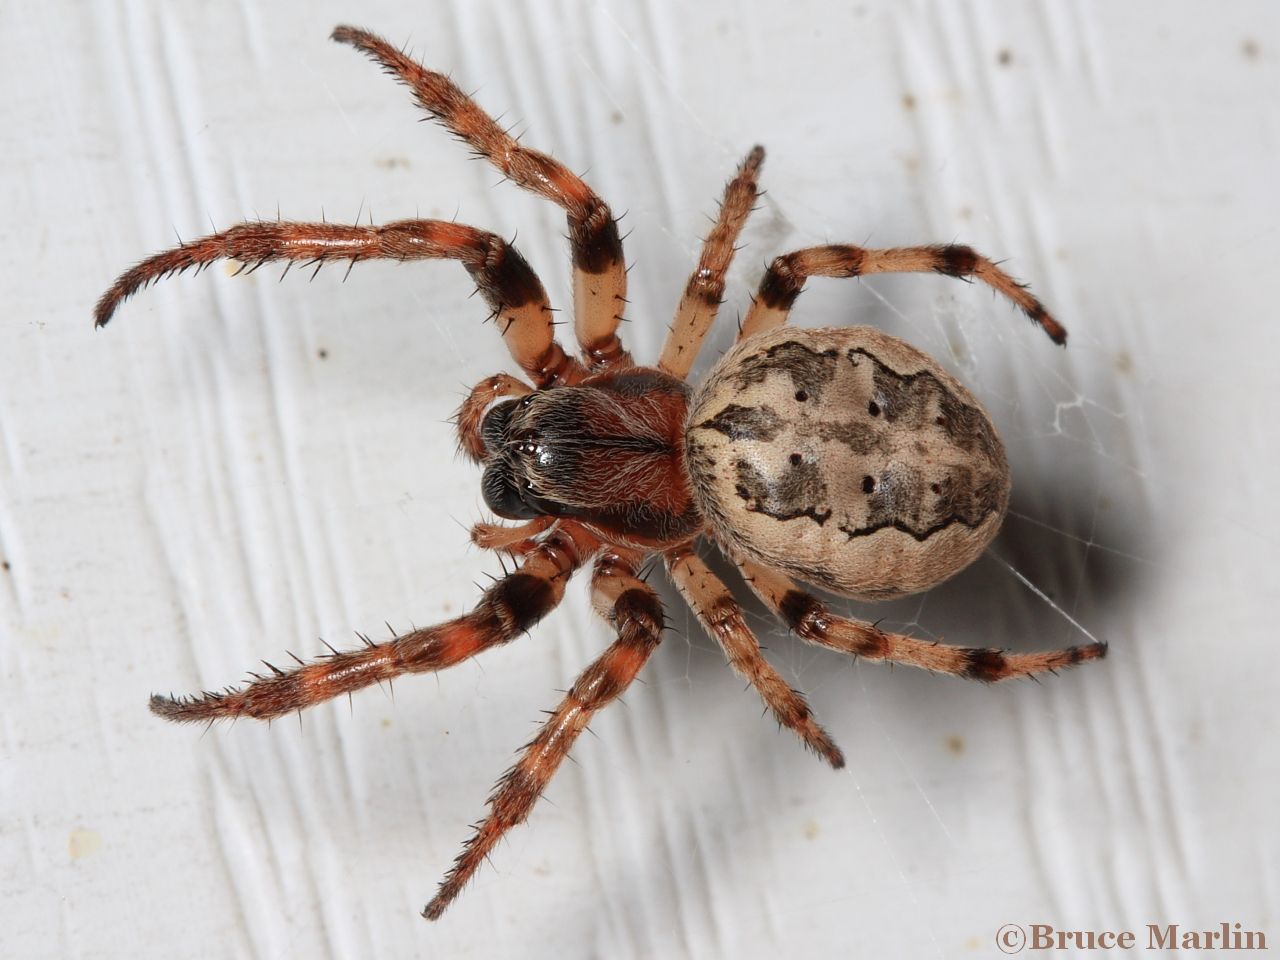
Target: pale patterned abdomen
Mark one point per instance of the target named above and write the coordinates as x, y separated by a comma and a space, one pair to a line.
847, 458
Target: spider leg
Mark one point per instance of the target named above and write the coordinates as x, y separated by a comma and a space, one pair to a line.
504, 279
634, 609
599, 274
786, 276
722, 617
812, 621
705, 289
471, 414
508, 608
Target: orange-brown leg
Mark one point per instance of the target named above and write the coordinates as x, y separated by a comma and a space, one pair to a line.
599, 274
507, 609
471, 414
504, 279
812, 621
785, 278
705, 289
722, 617
634, 609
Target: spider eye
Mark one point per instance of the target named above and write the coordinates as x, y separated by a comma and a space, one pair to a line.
493, 428
502, 495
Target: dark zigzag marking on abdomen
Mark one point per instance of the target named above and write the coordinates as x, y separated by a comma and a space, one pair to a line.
917, 535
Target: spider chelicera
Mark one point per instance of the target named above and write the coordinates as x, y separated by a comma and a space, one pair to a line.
839, 457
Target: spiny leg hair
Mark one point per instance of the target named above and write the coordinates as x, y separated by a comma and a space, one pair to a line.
507, 283
600, 276
633, 608
508, 608
705, 290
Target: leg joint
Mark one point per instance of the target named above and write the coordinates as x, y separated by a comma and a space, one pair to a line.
706, 286
780, 286
985, 665
805, 614
640, 607
597, 247
505, 279
520, 601
956, 260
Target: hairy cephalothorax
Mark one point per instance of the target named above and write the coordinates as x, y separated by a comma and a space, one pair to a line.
841, 457
607, 453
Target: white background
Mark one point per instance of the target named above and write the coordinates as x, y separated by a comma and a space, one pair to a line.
235, 468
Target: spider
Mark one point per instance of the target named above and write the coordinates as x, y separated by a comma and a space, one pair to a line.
841, 457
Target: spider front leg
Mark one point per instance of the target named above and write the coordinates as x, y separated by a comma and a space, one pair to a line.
508, 608
599, 274
705, 289
812, 621
504, 279
786, 276
721, 616
633, 608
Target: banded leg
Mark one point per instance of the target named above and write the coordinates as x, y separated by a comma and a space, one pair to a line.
634, 609
705, 289
786, 276
720, 614
504, 279
471, 414
508, 608
599, 274
812, 621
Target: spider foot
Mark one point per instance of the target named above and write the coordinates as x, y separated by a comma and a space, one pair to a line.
197, 709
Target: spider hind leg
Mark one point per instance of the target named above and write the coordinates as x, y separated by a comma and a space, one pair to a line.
722, 617
786, 277
813, 622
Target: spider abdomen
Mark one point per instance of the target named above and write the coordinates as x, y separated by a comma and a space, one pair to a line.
847, 458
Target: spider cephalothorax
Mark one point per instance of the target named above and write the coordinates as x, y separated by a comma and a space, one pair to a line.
608, 452
841, 457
